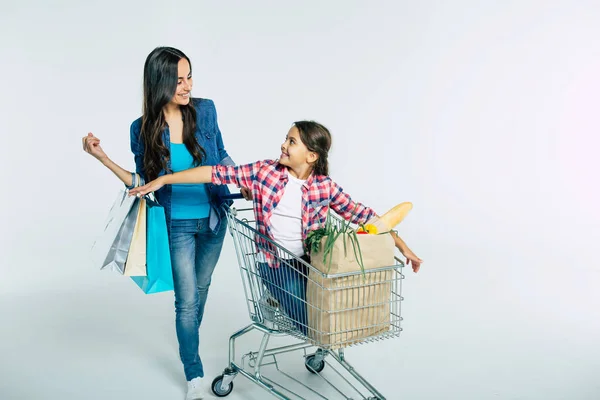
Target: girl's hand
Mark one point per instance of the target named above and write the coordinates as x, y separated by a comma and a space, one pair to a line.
152, 186
247, 193
411, 258
91, 145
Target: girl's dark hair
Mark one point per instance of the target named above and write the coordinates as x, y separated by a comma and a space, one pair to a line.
160, 85
316, 138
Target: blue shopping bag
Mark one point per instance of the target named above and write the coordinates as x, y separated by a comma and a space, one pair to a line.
158, 254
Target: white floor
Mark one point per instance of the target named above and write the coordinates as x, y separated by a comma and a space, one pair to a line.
100, 337
89, 345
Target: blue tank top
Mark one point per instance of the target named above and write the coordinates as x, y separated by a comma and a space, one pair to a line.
188, 200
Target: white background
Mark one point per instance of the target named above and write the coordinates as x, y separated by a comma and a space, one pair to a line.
484, 114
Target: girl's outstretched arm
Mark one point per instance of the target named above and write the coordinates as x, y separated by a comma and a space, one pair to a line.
347, 208
192, 175
358, 213
411, 258
240, 175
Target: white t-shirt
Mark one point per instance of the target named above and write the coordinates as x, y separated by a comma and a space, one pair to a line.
286, 220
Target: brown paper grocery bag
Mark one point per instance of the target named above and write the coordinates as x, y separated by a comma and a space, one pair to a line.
136, 259
377, 251
346, 310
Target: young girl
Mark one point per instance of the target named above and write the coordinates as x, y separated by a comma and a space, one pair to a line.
291, 198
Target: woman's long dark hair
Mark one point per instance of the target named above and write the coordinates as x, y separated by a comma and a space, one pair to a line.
160, 85
318, 139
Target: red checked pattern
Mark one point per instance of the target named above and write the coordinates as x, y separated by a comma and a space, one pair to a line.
267, 179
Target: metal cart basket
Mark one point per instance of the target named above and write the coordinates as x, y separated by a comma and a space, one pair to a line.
322, 314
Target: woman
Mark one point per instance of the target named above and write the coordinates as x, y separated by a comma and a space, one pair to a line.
177, 132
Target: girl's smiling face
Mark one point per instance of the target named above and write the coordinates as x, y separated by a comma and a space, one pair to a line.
294, 154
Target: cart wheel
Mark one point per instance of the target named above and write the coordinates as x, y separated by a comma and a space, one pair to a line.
313, 365
216, 387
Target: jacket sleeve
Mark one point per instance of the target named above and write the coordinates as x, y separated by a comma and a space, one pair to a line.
223, 155
137, 148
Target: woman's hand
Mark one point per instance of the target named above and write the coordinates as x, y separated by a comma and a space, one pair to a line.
91, 145
152, 186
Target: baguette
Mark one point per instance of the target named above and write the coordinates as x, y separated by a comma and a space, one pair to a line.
394, 216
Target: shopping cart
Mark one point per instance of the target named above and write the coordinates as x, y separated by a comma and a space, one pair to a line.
322, 313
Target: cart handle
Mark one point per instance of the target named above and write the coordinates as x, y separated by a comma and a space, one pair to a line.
232, 196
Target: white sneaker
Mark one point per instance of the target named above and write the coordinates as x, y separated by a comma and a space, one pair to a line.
195, 390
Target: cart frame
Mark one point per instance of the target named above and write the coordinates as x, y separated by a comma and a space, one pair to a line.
274, 316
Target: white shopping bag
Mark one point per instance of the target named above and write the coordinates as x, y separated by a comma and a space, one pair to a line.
136, 256
116, 236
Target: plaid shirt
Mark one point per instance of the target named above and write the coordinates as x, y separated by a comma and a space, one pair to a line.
268, 179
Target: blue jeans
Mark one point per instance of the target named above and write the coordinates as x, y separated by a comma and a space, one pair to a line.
287, 284
195, 250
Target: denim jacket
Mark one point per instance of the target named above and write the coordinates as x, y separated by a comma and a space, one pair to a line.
209, 137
